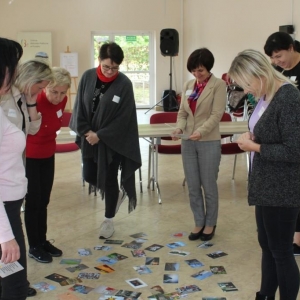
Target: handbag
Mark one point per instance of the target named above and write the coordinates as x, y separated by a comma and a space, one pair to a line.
235, 97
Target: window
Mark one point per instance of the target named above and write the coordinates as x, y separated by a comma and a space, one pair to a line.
138, 60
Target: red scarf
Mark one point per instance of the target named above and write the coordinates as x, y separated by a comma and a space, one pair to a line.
103, 78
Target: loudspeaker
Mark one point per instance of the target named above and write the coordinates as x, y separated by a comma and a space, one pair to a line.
169, 42
170, 100
287, 29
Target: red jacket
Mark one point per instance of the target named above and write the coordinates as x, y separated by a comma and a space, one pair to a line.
43, 144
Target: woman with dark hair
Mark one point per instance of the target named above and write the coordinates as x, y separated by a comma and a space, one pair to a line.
284, 54
13, 183
273, 185
104, 118
201, 109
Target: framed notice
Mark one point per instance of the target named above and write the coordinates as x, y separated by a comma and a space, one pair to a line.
34, 42
69, 61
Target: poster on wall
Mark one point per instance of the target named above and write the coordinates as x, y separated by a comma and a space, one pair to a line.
34, 42
69, 61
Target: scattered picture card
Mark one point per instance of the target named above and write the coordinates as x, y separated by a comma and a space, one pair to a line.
135, 283
176, 245
102, 247
156, 289
179, 234
44, 286
84, 251
218, 270
106, 290
142, 269
140, 241
138, 253
82, 289
56, 277
170, 278
154, 261
213, 298
180, 253
132, 245
188, 289
168, 296
70, 281
67, 296
194, 263
104, 269
114, 242
138, 235
216, 254
202, 274
106, 260
205, 245
77, 268
70, 261
128, 294
154, 247
11, 268
227, 286
171, 266
107, 297
117, 256
91, 275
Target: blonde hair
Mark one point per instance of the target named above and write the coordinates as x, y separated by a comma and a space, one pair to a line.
31, 72
61, 77
250, 64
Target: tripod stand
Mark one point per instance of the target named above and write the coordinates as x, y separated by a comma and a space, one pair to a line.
170, 96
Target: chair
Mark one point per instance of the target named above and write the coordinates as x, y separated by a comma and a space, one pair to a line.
230, 148
159, 118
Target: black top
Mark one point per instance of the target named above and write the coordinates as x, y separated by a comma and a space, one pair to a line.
293, 74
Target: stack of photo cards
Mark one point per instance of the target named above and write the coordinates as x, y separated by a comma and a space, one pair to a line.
136, 283
44, 286
84, 251
216, 254
77, 268
142, 269
154, 247
188, 289
170, 278
202, 274
176, 245
194, 263
227, 286
102, 247
218, 270
114, 242
205, 245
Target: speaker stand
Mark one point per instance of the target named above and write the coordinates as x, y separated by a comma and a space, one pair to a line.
169, 95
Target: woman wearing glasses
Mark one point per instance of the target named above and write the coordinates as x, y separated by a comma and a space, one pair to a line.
104, 118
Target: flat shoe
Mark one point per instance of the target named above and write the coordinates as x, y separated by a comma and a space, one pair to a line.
207, 237
196, 236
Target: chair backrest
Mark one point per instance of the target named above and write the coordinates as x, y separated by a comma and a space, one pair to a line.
66, 119
226, 118
163, 117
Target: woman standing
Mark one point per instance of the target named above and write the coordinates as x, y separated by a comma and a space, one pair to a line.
200, 112
104, 118
40, 162
284, 54
274, 186
13, 183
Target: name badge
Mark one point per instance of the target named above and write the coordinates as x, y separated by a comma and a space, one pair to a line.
12, 113
188, 92
116, 99
59, 113
293, 78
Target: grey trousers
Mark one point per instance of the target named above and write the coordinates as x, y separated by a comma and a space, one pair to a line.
201, 162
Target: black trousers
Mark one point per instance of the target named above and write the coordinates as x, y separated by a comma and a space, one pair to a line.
276, 227
89, 170
15, 286
40, 175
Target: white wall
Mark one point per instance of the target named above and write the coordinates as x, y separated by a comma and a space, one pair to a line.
225, 27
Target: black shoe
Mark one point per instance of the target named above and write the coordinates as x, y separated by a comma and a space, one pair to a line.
31, 292
196, 236
208, 237
53, 251
40, 255
296, 249
262, 297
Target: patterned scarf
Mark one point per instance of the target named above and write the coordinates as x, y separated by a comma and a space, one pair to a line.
198, 89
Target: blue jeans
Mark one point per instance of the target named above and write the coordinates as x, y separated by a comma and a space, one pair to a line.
276, 227
15, 286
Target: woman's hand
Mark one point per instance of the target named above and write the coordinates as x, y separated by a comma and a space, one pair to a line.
31, 99
175, 132
10, 251
92, 137
196, 136
246, 143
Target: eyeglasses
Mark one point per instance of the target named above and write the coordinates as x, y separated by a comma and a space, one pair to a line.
107, 68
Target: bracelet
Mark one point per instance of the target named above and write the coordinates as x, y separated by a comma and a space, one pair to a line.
31, 105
